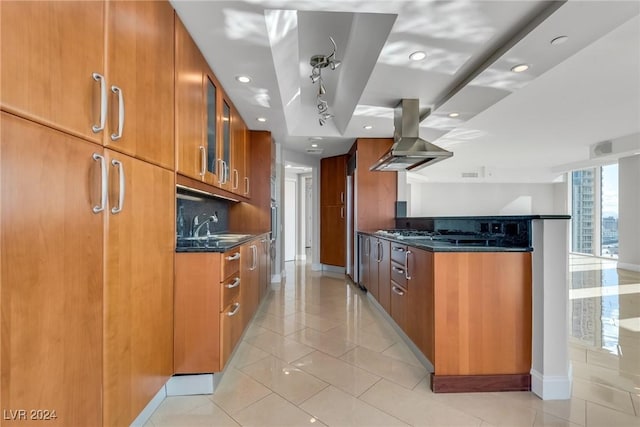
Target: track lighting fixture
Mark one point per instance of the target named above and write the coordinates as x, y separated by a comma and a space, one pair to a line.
318, 62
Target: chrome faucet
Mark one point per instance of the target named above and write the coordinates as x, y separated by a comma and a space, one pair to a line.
196, 227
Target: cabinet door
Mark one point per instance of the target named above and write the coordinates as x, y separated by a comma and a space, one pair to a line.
238, 154
197, 313
138, 320
374, 261
214, 172
224, 149
384, 275
365, 251
140, 64
333, 180
230, 331
399, 305
333, 236
250, 291
189, 106
50, 273
246, 179
420, 314
49, 52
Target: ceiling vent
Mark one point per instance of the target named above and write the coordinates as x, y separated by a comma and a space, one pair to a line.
315, 150
601, 149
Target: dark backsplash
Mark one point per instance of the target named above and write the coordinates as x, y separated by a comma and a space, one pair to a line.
198, 204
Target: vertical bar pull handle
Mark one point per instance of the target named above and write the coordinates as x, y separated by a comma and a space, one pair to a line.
103, 183
203, 160
220, 171
236, 179
103, 103
406, 265
121, 180
342, 212
118, 91
246, 185
342, 197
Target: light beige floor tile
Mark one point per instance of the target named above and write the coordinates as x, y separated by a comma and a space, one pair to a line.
274, 411
327, 343
424, 386
247, 354
414, 408
382, 328
178, 411
314, 321
603, 395
600, 416
572, 410
606, 376
577, 353
288, 381
252, 331
280, 325
392, 369
368, 340
334, 407
401, 352
337, 372
237, 390
489, 407
547, 420
635, 399
279, 346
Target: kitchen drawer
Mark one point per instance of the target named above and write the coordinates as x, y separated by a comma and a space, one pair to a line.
230, 263
229, 291
230, 331
398, 274
399, 305
398, 252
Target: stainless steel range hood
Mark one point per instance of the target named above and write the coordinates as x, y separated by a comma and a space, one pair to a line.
409, 151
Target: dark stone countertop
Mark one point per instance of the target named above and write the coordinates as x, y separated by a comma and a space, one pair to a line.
214, 243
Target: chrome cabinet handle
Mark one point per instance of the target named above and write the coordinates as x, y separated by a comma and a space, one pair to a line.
220, 171
342, 197
233, 284
118, 209
397, 291
203, 160
235, 310
255, 257
398, 270
233, 257
103, 183
236, 179
226, 171
103, 103
118, 91
397, 249
379, 251
406, 265
246, 185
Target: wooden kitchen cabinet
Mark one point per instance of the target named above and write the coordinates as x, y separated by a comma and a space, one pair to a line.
140, 63
420, 313
49, 52
138, 317
51, 269
384, 274
333, 180
333, 233
365, 260
239, 171
399, 305
249, 277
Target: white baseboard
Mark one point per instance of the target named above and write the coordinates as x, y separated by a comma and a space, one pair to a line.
551, 387
628, 266
301, 257
151, 407
185, 385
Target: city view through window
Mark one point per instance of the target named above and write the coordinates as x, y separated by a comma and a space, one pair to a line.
594, 222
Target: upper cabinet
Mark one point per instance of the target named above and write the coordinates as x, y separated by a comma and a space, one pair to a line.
333, 180
118, 93
53, 64
140, 80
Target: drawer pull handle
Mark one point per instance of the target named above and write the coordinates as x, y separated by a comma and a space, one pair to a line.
406, 265
396, 249
397, 291
234, 311
398, 270
233, 284
233, 257
116, 136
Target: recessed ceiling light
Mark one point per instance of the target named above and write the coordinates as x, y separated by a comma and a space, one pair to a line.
243, 79
519, 68
559, 40
417, 56
367, 127
314, 145
454, 114
261, 119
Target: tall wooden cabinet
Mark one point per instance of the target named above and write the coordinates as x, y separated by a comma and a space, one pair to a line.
95, 216
51, 269
333, 210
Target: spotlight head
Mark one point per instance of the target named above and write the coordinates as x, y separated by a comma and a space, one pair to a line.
314, 77
334, 64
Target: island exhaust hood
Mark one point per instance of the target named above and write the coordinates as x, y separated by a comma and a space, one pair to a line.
409, 151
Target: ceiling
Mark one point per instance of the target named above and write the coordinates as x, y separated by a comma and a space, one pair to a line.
528, 126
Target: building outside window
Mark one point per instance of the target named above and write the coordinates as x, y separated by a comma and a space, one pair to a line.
582, 212
609, 209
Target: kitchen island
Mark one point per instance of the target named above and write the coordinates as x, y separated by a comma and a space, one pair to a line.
466, 307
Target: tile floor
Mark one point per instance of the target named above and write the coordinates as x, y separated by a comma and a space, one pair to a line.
318, 353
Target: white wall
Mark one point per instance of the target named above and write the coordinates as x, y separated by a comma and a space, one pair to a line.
629, 212
455, 199
289, 212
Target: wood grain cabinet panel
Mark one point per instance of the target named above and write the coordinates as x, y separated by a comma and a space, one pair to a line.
140, 62
49, 52
51, 251
138, 318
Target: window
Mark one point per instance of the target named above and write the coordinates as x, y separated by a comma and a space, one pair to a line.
594, 211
